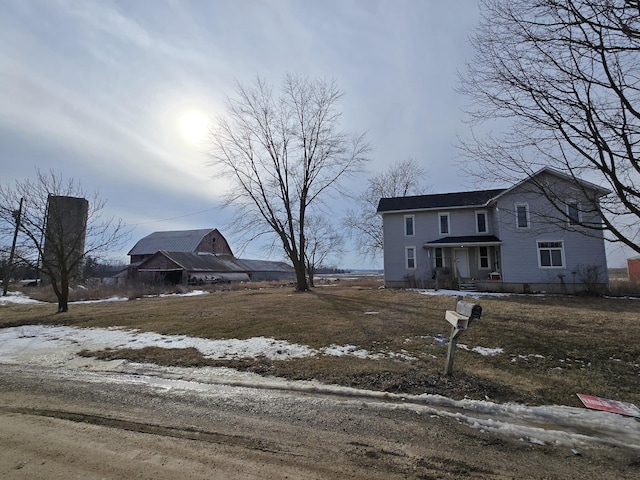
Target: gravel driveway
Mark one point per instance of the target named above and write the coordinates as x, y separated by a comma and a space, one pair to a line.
84, 421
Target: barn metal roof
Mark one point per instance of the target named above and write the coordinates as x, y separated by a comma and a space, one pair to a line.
171, 241
211, 262
199, 262
439, 200
267, 266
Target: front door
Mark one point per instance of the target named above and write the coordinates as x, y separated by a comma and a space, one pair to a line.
462, 262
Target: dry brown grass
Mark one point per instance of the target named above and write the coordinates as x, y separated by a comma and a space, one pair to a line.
554, 346
623, 287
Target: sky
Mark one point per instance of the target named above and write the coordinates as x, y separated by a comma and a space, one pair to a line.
115, 93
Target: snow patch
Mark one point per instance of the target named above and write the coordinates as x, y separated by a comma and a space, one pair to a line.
17, 297
110, 299
455, 293
58, 345
487, 352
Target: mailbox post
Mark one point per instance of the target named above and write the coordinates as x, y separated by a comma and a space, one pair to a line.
460, 319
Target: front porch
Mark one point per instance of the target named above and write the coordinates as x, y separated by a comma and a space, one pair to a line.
464, 260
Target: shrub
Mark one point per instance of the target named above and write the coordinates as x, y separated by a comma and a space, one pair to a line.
592, 277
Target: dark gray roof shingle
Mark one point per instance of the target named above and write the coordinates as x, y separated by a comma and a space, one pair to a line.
468, 239
439, 200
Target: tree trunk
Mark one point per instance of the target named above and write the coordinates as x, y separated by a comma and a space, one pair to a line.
63, 294
311, 272
63, 304
301, 277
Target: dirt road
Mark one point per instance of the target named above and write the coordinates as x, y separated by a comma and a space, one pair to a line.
61, 424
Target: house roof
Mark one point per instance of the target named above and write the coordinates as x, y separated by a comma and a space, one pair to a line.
585, 184
476, 240
477, 198
172, 241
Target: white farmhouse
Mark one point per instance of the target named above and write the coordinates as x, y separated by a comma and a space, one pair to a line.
512, 240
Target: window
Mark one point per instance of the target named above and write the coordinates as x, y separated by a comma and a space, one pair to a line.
551, 254
573, 213
443, 221
481, 222
408, 225
483, 257
439, 258
410, 254
522, 216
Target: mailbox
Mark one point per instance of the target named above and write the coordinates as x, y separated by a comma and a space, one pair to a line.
463, 314
456, 319
471, 310
460, 318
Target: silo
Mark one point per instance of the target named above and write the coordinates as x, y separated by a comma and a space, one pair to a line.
65, 233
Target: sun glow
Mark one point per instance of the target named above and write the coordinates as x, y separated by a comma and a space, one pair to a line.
194, 126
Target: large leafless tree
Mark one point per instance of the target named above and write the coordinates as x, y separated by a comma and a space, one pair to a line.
47, 241
282, 152
561, 80
402, 178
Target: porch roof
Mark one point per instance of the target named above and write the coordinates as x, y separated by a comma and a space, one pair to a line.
469, 240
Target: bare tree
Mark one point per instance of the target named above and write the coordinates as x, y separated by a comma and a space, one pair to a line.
324, 244
282, 153
48, 241
561, 80
402, 178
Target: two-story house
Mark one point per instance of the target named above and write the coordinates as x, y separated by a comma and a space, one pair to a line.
513, 240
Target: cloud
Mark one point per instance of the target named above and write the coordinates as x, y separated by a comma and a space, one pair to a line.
94, 89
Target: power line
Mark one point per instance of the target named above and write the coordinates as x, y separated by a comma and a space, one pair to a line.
172, 218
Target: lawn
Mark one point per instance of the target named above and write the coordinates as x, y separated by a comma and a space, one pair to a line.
550, 347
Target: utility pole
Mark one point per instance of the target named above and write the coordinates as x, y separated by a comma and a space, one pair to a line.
16, 214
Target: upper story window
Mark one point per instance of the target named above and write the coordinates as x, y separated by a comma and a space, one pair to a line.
573, 213
410, 256
551, 254
481, 222
409, 224
522, 216
443, 222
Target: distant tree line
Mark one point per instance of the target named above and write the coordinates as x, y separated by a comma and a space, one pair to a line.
330, 270
97, 268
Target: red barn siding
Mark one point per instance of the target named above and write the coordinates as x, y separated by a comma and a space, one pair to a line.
633, 267
214, 242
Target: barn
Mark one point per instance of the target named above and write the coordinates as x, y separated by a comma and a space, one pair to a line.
195, 268
208, 240
197, 257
